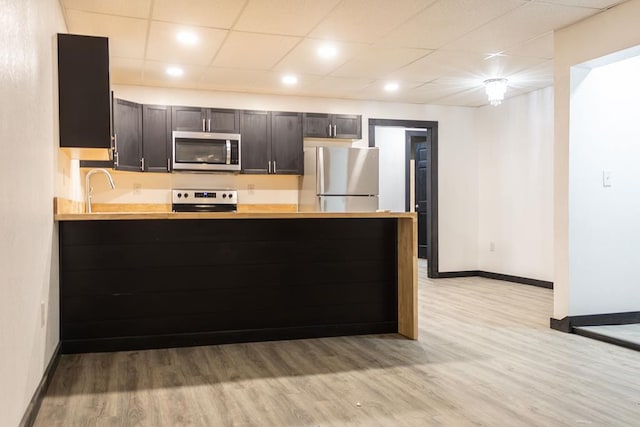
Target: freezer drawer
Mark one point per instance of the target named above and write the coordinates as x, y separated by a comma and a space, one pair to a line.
347, 203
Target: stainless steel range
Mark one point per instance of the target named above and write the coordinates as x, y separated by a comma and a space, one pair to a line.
204, 200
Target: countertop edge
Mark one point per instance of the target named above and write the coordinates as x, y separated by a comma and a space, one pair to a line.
209, 215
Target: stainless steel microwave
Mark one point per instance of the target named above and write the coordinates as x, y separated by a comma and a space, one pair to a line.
205, 151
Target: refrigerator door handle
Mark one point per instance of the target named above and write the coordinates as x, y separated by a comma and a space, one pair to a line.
320, 170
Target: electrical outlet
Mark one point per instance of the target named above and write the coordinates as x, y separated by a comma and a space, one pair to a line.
492, 247
137, 188
251, 188
42, 314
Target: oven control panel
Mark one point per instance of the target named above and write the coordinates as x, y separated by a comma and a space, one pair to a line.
204, 197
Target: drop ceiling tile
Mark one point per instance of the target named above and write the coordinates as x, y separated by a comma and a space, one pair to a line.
430, 93
518, 26
163, 45
595, 4
377, 62
376, 91
125, 71
447, 20
438, 64
284, 17
365, 21
251, 81
155, 74
536, 77
206, 13
126, 35
134, 9
464, 66
304, 58
540, 47
474, 97
253, 51
338, 86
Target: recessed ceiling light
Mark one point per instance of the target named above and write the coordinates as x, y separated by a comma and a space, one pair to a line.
327, 51
175, 71
289, 79
391, 87
187, 37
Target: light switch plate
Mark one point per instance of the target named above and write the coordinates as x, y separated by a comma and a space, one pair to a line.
606, 179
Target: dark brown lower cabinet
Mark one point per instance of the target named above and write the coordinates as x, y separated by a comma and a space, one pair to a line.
134, 284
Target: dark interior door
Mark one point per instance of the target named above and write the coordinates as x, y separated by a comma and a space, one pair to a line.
421, 156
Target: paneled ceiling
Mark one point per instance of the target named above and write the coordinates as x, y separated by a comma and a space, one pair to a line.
437, 51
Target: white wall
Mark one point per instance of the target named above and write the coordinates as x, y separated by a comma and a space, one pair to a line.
28, 240
457, 152
604, 222
602, 34
515, 186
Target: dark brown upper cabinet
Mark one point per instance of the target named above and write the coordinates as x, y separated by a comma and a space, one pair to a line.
322, 125
142, 137
271, 143
127, 126
84, 95
156, 138
255, 132
196, 119
286, 143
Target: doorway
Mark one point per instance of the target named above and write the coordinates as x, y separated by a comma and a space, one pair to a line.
426, 132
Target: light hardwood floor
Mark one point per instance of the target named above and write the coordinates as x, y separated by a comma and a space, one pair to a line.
486, 356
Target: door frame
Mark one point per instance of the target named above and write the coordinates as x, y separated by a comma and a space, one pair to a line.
431, 128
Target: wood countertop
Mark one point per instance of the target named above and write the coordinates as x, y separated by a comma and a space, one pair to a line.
207, 215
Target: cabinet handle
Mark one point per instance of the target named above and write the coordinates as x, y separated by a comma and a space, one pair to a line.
209, 125
335, 133
203, 129
269, 165
274, 167
115, 158
142, 164
168, 165
329, 131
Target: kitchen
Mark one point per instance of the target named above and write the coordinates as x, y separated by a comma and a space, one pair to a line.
458, 161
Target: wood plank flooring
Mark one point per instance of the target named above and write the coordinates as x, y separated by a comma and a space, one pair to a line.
485, 356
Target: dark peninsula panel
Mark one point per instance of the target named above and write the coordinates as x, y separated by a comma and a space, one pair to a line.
161, 283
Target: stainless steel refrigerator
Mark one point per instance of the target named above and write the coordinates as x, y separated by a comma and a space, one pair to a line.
339, 179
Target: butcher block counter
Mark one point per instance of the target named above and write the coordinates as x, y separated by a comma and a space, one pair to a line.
150, 280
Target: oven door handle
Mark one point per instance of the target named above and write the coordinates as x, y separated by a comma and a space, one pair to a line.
228, 152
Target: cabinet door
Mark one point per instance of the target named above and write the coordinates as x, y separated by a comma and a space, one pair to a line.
316, 125
224, 121
347, 126
192, 119
156, 138
286, 143
127, 122
84, 95
255, 137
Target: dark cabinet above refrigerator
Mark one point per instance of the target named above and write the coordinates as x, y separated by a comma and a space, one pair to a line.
342, 126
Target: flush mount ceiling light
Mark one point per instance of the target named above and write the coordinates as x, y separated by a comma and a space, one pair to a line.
391, 87
187, 37
496, 89
327, 51
289, 80
175, 71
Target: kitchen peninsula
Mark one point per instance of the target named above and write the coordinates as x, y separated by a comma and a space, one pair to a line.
150, 280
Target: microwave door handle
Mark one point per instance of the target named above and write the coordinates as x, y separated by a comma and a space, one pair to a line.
228, 152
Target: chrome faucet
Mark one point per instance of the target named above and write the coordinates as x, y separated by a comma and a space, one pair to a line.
89, 189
